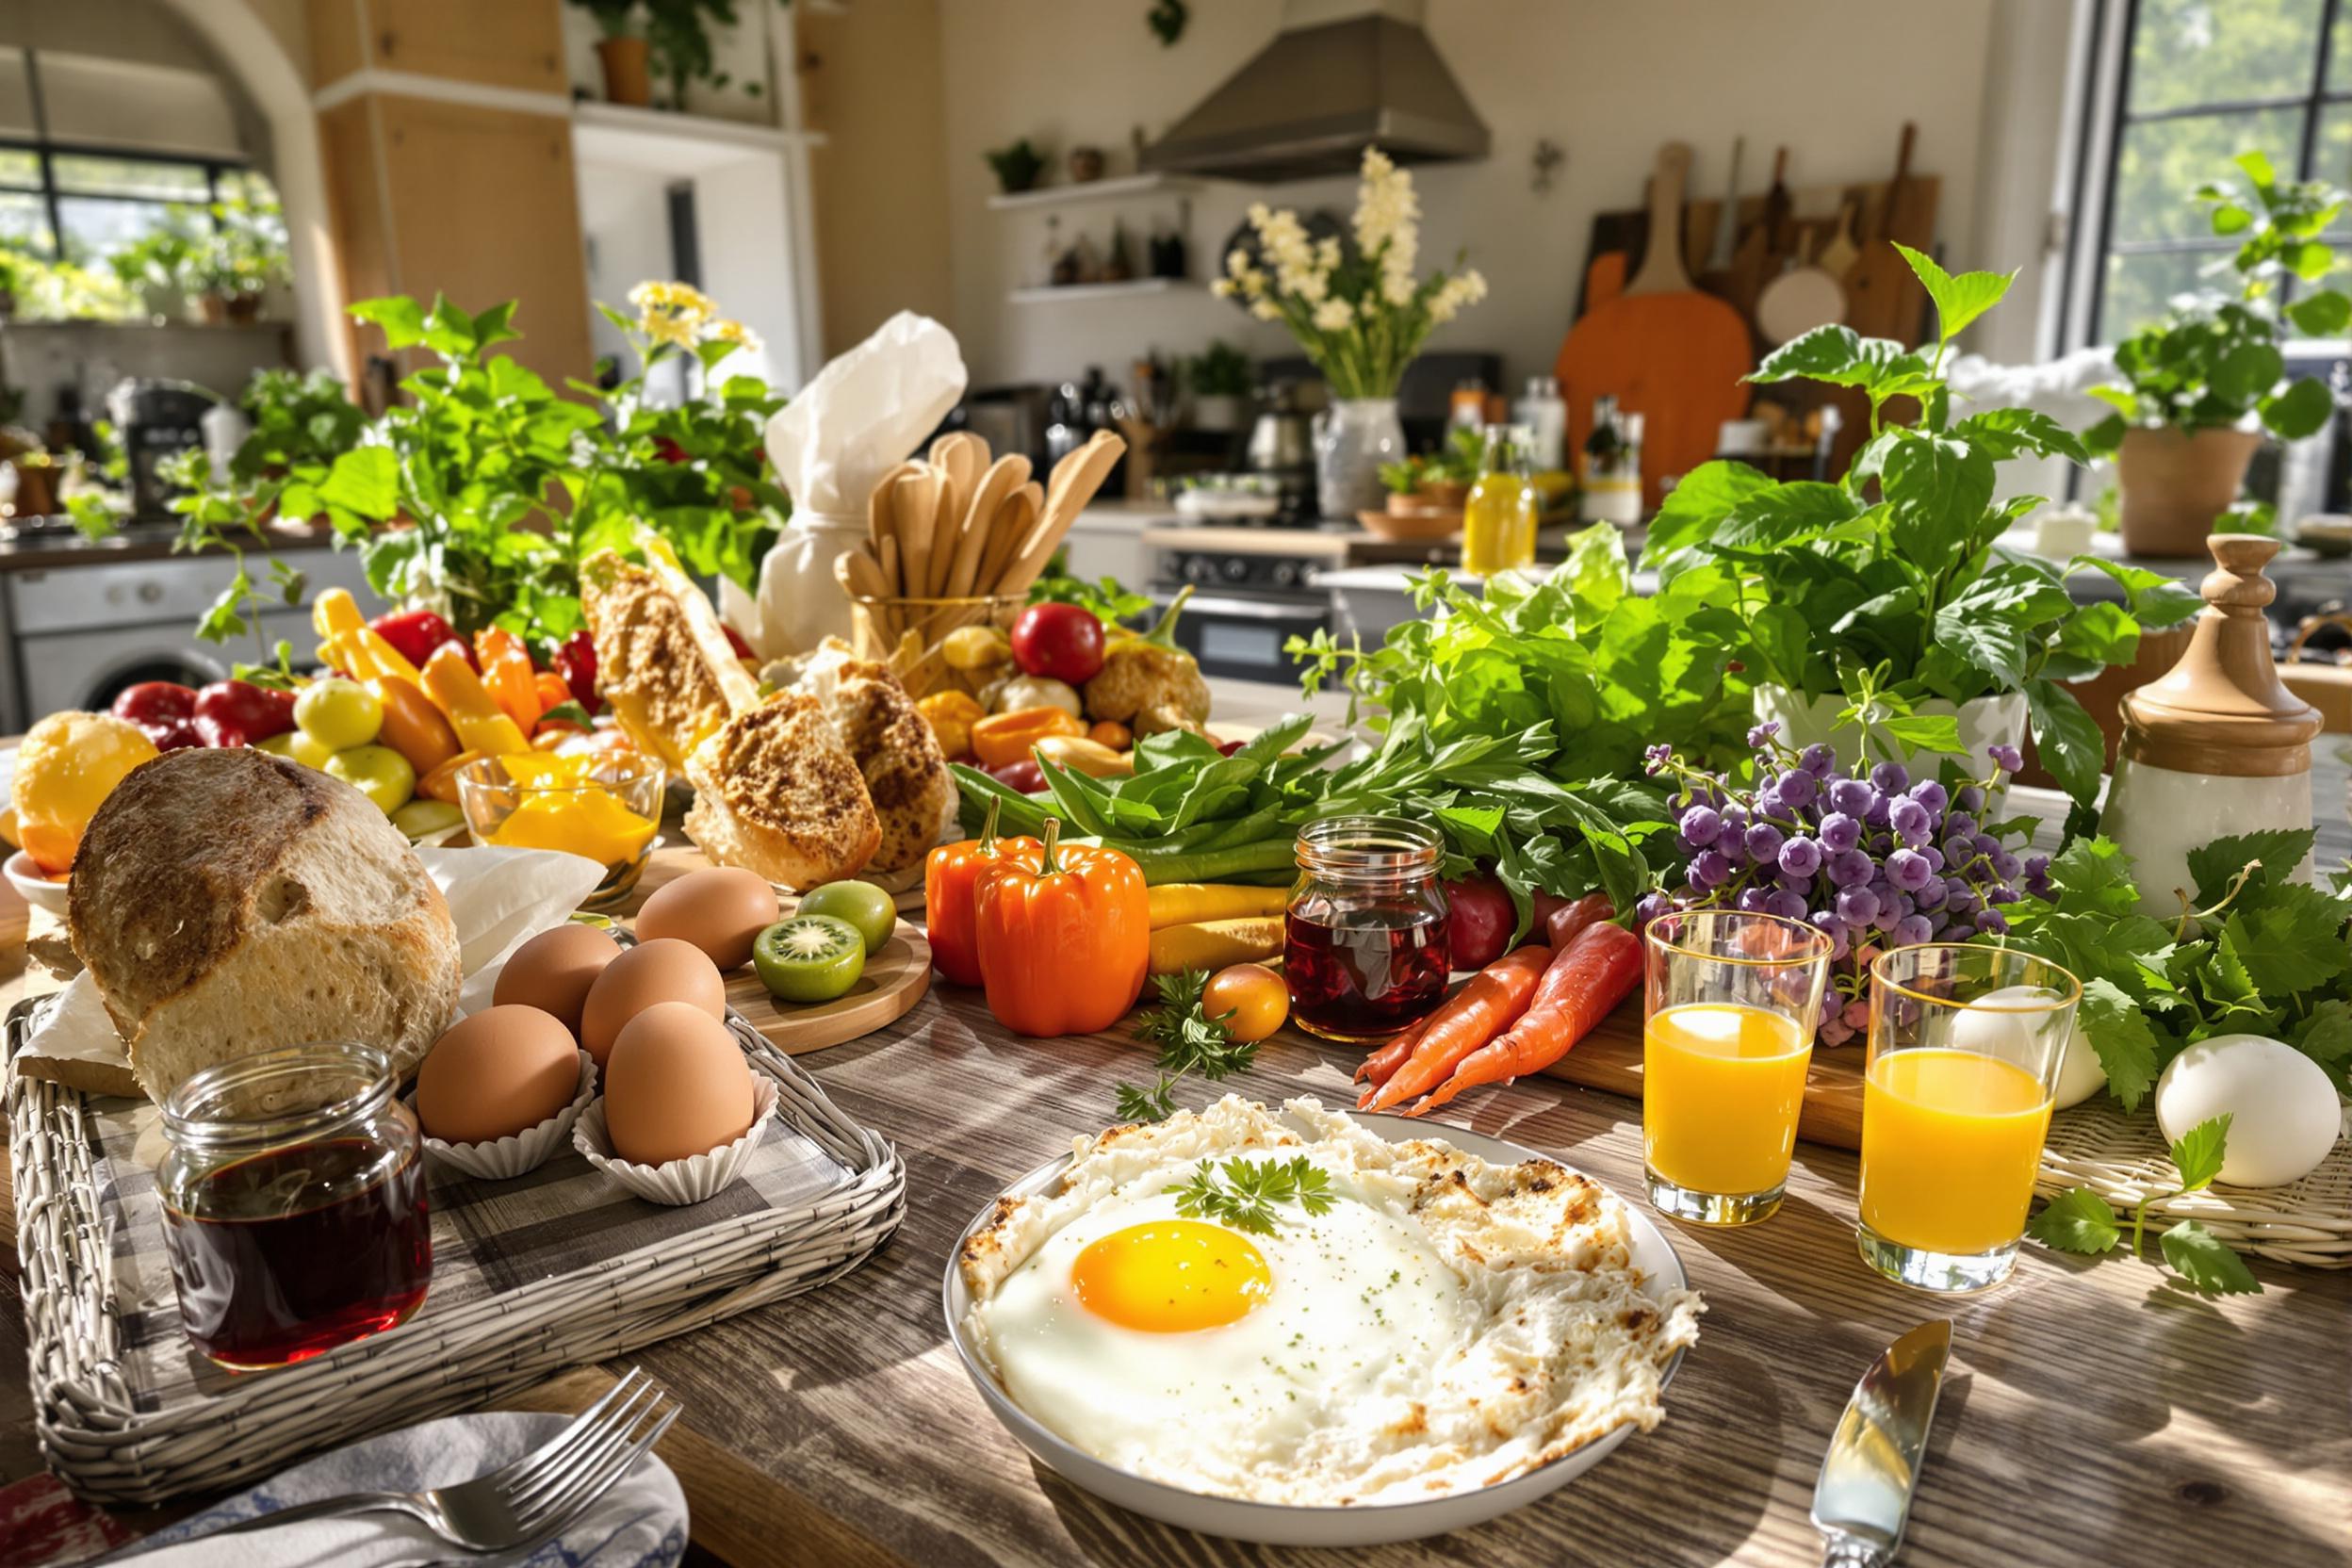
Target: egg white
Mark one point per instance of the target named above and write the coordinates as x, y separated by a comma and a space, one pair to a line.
1360, 1306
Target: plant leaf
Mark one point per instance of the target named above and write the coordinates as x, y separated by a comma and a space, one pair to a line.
2067, 739
2292, 940
2205, 1261
2299, 411
2215, 865
2197, 1154
2007, 433
2077, 1220
2119, 1032
1958, 300
2323, 313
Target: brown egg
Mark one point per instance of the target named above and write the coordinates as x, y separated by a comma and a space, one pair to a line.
719, 911
678, 1086
553, 970
663, 969
495, 1073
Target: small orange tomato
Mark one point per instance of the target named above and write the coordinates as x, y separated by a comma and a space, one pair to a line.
1110, 732
1255, 995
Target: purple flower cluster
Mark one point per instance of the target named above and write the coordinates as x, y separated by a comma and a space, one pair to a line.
1872, 862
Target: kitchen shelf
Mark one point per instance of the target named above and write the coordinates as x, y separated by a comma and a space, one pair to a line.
672, 143
1054, 293
1121, 188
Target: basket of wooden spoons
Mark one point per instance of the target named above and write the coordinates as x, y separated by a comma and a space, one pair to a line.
953, 540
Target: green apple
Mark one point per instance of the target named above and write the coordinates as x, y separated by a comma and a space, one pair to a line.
381, 773
338, 714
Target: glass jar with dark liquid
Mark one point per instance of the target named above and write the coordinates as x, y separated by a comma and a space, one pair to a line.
293, 1204
1364, 941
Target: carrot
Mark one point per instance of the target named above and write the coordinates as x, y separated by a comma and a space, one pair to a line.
1571, 919
1490, 1004
1383, 1064
1587, 978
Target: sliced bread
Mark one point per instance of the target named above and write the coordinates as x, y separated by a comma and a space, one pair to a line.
229, 902
775, 793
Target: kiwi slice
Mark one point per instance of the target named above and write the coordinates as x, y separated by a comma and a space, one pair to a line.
809, 957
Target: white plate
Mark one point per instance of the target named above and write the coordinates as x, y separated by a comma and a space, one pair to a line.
38, 891
1281, 1524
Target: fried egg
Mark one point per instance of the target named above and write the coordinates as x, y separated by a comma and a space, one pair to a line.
1441, 1324
1147, 1337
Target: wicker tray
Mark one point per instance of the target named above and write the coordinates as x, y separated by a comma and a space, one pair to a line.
558, 1267
2123, 1157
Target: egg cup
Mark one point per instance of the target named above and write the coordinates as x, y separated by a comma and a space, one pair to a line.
502, 1159
678, 1182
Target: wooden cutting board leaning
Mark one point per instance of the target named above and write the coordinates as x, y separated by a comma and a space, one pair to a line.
1663, 350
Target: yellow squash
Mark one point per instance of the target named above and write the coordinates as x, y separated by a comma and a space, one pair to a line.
1183, 902
1214, 943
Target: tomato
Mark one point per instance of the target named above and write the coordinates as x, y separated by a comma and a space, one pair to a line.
1480, 917
576, 661
237, 713
415, 632
155, 703
1062, 641
177, 734
1254, 994
1024, 775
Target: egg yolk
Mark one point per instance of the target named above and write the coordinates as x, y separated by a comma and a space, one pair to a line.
1170, 1277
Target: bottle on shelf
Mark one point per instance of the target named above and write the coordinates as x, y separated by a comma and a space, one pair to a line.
1546, 419
1611, 480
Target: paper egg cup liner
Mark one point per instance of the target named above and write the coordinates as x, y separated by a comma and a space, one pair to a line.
503, 1158
678, 1182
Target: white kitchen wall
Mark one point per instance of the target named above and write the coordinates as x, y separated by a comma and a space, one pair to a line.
1833, 80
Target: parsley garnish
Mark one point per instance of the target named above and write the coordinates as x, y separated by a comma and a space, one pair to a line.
2080, 1220
1251, 1189
1188, 1041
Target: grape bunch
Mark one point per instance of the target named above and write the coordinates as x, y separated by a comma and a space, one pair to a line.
1870, 862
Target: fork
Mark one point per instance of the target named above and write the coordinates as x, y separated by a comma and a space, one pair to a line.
526, 1500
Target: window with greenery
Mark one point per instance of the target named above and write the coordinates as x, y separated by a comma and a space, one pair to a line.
2204, 80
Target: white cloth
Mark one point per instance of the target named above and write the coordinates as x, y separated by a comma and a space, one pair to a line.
641, 1523
858, 419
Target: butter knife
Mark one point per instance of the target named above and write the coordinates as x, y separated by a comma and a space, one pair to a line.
1872, 1465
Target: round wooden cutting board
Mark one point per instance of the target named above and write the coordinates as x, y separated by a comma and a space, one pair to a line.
895, 979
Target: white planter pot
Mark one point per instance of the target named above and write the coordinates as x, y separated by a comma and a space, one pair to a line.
1809, 721
1352, 439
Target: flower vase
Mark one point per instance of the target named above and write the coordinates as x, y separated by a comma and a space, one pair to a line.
1352, 439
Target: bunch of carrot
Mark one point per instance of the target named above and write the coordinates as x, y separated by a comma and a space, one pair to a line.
1518, 1015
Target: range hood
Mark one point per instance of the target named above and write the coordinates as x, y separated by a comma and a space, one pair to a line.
1336, 79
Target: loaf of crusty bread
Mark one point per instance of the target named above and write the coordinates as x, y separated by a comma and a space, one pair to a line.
896, 753
229, 902
775, 793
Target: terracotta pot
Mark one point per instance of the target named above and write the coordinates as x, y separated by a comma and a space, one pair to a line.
2175, 484
627, 79
214, 309
244, 309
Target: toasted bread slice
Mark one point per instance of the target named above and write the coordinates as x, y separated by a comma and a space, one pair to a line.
228, 902
775, 793
905, 772
662, 660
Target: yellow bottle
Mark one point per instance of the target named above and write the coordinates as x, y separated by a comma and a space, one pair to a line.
1498, 520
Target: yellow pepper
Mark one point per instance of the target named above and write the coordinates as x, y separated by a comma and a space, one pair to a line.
482, 725
1003, 737
361, 653
562, 808
951, 715
335, 613
507, 674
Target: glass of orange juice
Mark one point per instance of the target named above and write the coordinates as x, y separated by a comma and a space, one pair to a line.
1732, 1001
1964, 1049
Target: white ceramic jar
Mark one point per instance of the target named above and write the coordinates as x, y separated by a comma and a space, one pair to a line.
1805, 721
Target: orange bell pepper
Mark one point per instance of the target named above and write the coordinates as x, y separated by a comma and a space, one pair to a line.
552, 692
441, 783
481, 724
948, 875
412, 726
506, 671
1063, 944
1003, 737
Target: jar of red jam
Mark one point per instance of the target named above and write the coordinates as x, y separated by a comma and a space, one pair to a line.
293, 1204
1364, 941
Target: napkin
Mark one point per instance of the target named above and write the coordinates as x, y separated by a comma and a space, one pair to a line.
858, 419
641, 1520
499, 898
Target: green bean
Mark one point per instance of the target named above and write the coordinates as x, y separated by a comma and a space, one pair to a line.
1217, 865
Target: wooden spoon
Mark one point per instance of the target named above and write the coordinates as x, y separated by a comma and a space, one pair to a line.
1006, 475
1007, 533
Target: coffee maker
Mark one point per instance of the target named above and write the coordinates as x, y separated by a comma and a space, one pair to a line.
156, 421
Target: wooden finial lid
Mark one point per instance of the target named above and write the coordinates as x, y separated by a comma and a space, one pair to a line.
2223, 709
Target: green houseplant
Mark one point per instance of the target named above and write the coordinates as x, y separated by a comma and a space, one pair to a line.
622, 52
244, 254
2198, 382
1879, 613
1016, 166
1218, 378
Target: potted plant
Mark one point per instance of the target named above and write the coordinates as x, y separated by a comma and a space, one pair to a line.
243, 256
1438, 480
1218, 379
678, 34
16, 269
1880, 614
2201, 383
623, 53
156, 266
1017, 167
1358, 308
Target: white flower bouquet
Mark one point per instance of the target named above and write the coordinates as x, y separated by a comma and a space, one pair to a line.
1358, 310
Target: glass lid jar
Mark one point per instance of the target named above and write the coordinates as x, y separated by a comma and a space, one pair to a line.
1364, 937
294, 1203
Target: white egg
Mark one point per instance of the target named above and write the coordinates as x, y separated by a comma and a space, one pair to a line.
2284, 1113
2081, 1075
1166, 1345
2012, 1024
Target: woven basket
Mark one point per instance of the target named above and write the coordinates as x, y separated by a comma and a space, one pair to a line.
116, 1444
2123, 1157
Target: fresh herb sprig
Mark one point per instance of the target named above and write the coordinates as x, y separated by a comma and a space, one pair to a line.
1251, 1188
2080, 1220
1188, 1041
